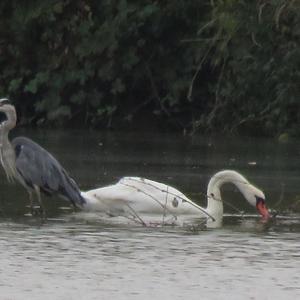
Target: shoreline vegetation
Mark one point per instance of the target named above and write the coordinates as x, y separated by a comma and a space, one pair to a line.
189, 66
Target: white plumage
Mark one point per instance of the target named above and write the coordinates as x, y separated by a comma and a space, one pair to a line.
135, 196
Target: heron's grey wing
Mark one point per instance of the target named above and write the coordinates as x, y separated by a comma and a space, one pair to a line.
39, 167
36, 166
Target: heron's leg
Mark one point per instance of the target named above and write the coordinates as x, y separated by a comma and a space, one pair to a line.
38, 194
31, 201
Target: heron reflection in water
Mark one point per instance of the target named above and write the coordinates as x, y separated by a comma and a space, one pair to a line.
31, 165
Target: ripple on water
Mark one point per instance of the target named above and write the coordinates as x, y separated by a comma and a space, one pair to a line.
77, 260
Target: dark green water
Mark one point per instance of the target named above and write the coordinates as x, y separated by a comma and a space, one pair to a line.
83, 256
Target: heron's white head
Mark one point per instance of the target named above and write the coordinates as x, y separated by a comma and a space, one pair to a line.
10, 118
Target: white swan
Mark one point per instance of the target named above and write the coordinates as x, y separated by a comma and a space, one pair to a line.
134, 196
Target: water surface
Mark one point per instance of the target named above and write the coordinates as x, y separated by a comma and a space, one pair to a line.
87, 256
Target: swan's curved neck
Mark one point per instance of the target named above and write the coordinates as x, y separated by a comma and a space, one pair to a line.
214, 200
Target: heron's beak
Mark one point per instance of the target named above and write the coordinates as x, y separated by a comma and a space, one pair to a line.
262, 209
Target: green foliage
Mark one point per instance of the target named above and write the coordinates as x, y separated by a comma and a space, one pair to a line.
254, 49
228, 65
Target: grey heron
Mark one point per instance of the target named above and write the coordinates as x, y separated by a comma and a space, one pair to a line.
31, 165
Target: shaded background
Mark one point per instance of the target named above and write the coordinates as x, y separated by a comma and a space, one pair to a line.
187, 66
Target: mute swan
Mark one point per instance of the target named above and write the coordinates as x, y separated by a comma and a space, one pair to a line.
135, 195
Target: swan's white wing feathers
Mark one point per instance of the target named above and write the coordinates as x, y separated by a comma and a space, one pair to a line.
141, 195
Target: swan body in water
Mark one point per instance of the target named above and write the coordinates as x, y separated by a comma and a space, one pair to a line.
134, 196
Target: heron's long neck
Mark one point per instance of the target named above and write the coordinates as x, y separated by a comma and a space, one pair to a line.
215, 203
7, 154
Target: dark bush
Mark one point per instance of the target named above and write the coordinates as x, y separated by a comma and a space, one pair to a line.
230, 66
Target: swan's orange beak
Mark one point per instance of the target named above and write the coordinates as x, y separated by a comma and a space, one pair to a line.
262, 209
